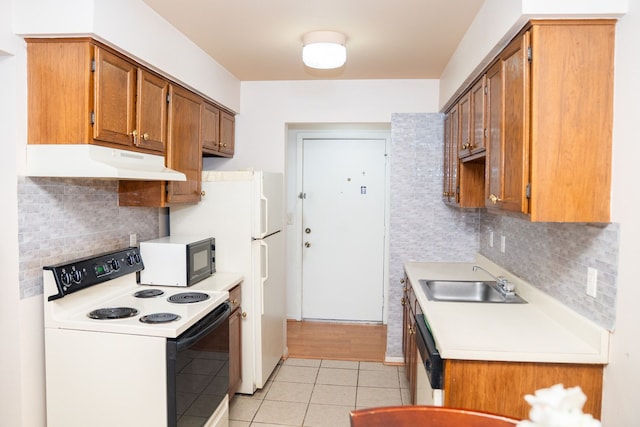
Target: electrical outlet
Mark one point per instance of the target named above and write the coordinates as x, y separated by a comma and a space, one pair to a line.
592, 282
133, 240
491, 239
503, 244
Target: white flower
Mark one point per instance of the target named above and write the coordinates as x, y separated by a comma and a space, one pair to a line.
558, 407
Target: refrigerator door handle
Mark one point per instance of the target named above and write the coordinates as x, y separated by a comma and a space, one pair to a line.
264, 205
264, 253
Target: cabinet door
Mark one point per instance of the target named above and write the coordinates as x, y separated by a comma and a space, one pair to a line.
477, 94
151, 111
115, 97
210, 128
184, 151
464, 138
451, 195
494, 157
227, 133
447, 188
515, 139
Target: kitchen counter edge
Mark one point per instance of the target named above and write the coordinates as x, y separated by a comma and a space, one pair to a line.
559, 322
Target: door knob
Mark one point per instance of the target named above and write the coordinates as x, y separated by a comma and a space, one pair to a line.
307, 244
307, 230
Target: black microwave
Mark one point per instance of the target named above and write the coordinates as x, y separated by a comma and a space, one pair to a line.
177, 260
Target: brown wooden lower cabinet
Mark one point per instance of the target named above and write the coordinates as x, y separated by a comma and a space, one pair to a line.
500, 387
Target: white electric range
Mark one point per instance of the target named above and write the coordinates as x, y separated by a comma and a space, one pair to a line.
119, 353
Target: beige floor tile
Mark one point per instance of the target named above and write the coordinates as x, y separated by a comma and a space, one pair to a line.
387, 378
260, 393
272, 425
327, 416
369, 397
405, 394
337, 376
243, 408
324, 394
375, 366
290, 392
285, 413
234, 423
342, 364
297, 374
404, 382
302, 362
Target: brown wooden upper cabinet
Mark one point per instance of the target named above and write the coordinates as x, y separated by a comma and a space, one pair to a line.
472, 122
218, 131
450, 164
80, 92
548, 119
184, 153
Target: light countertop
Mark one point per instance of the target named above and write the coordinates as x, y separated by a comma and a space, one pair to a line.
221, 282
543, 330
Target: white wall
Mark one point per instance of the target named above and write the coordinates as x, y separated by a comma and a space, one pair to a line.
622, 376
269, 107
498, 21
131, 26
136, 29
10, 378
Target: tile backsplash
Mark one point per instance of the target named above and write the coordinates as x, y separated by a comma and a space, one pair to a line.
553, 257
422, 227
62, 219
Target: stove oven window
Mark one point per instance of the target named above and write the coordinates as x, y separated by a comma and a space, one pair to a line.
198, 370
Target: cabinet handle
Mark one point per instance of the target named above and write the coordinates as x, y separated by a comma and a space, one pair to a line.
494, 199
402, 302
134, 134
145, 136
244, 314
203, 193
402, 280
234, 302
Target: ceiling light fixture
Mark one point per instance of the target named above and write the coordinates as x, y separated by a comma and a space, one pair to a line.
324, 49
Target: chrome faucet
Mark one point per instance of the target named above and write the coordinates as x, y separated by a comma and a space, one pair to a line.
504, 286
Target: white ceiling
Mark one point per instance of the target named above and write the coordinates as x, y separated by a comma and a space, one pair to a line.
262, 39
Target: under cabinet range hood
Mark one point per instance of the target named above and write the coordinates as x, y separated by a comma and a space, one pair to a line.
94, 161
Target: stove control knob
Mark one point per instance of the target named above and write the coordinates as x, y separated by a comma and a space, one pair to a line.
65, 278
76, 276
131, 259
114, 264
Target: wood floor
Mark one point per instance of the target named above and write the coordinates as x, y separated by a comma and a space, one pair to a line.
336, 341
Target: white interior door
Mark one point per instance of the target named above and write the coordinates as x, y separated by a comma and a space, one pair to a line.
343, 219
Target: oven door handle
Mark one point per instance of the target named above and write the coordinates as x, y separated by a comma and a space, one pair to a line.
210, 322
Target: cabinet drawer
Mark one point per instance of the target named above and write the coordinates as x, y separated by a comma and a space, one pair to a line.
235, 296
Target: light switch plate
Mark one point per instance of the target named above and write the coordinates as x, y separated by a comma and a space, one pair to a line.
503, 244
491, 239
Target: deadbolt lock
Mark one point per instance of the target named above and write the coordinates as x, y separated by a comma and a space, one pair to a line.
307, 230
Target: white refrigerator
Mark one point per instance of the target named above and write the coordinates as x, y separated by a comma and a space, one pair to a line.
243, 211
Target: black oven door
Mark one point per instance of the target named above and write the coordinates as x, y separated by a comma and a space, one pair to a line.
198, 369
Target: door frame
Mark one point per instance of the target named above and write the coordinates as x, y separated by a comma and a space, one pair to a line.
294, 213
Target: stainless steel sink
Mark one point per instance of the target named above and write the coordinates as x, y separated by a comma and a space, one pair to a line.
468, 291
